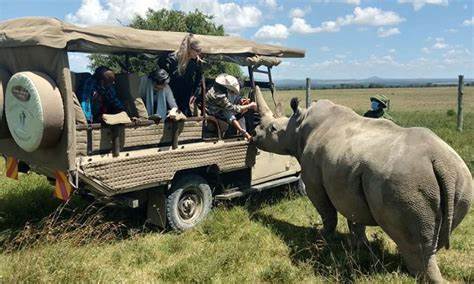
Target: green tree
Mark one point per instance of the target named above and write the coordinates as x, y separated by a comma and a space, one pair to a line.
168, 20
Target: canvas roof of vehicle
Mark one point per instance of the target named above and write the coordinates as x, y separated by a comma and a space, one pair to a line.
51, 32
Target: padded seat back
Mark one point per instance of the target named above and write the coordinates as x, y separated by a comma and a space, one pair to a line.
128, 92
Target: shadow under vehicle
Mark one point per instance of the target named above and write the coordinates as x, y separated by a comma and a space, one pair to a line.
174, 170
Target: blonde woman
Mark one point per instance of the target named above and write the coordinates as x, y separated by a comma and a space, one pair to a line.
185, 69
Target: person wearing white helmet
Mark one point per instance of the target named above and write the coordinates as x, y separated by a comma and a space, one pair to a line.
223, 101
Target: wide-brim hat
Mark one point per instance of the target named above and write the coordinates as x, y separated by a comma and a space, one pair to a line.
380, 100
230, 82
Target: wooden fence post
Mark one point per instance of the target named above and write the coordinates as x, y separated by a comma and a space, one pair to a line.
460, 95
308, 92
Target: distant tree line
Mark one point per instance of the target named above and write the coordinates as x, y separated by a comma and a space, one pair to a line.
367, 86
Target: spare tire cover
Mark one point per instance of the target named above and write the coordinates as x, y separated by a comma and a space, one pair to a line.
4, 77
34, 110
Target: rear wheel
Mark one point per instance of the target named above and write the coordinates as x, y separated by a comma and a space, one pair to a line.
188, 203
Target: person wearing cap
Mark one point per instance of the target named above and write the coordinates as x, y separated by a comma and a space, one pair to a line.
98, 95
158, 97
224, 102
377, 106
185, 69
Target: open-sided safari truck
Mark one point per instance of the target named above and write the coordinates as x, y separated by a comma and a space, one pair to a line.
173, 169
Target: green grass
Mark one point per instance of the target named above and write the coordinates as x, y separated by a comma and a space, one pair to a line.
267, 237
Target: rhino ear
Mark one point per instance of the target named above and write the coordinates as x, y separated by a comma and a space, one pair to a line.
294, 105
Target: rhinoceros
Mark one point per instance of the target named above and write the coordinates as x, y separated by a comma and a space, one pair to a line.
408, 181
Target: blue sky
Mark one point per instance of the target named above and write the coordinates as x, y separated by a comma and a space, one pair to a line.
342, 38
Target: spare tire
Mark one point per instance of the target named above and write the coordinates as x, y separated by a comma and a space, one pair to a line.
4, 77
34, 110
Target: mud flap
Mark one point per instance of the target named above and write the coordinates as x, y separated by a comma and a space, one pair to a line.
156, 207
62, 188
11, 165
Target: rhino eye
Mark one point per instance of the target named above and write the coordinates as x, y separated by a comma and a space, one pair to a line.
273, 128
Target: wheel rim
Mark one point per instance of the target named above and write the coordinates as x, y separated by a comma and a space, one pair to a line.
190, 205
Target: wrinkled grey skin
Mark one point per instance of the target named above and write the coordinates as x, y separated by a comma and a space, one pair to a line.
405, 180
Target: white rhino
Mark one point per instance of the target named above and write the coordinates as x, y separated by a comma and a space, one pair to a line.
406, 180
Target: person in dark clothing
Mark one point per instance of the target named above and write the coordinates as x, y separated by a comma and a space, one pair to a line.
185, 69
377, 106
98, 95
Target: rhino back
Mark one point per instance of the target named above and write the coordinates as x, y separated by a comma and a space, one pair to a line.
367, 164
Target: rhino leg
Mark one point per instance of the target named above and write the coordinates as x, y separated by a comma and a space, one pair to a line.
416, 238
358, 236
317, 194
423, 266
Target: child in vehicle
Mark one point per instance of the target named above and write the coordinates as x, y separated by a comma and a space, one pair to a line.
223, 101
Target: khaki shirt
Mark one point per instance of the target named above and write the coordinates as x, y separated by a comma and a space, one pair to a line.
219, 102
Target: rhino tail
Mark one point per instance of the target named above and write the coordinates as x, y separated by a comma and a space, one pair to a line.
447, 188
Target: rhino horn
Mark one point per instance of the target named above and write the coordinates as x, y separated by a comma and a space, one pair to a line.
263, 108
278, 110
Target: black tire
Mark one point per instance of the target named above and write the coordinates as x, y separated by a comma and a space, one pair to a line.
188, 202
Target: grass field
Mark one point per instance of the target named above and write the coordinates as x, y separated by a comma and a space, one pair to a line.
267, 237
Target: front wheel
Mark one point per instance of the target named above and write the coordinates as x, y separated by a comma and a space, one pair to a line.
188, 203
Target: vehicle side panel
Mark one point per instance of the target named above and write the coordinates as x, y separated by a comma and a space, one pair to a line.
138, 169
269, 166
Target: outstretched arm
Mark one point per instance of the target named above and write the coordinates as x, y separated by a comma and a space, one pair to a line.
236, 124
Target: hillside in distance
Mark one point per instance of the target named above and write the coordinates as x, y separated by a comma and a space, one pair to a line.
372, 82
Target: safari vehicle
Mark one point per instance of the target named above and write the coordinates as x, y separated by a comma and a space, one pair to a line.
172, 169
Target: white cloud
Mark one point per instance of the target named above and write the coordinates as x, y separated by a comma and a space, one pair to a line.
393, 50
328, 63
456, 55
300, 26
92, 12
277, 31
385, 66
468, 22
381, 32
425, 50
418, 4
353, 2
440, 44
232, 16
451, 30
269, 3
369, 16
325, 49
299, 12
